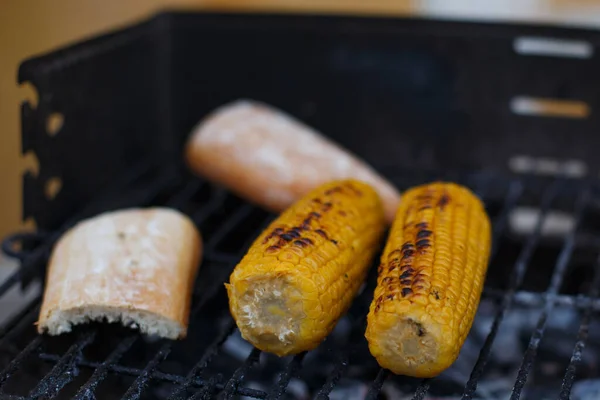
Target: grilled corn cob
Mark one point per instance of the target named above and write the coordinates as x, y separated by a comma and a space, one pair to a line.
301, 274
430, 280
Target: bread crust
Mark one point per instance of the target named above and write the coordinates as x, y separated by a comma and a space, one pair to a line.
136, 261
272, 159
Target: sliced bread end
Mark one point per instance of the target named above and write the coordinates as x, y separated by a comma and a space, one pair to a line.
59, 321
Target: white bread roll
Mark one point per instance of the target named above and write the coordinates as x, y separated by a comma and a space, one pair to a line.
134, 266
272, 159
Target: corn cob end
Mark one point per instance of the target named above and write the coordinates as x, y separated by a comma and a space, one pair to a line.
269, 310
408, 346
430, 280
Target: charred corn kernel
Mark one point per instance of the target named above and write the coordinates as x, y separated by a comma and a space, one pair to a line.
301, 274
430, 280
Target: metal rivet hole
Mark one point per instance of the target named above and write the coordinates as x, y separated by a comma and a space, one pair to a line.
54, 123
52, 188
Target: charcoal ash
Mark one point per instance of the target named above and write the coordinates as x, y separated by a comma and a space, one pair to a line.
556, 347
588, 389
507, 354
296, 390
510, 345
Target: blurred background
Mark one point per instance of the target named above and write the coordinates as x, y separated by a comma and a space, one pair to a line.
29, 27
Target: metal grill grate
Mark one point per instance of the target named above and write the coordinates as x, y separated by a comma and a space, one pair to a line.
69, 366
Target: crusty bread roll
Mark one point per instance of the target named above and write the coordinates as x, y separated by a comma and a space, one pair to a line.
134, 266
272, 159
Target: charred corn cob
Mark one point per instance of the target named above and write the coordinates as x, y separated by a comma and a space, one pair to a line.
430, 280
301, 274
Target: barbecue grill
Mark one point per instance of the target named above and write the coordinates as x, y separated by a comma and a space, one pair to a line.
418, 99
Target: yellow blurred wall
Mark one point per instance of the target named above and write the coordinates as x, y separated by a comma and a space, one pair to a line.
28, 27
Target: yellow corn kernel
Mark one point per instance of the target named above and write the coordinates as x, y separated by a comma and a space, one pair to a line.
301, 274
430, 280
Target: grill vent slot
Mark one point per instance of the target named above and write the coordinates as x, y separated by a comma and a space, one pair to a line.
545, 107
554, 47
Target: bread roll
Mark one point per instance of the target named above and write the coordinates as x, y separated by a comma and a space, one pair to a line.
271, 159
134, 266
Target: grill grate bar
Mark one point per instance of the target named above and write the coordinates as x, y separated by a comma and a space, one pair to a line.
421, 390
209, 293
343, 360
248, 242
233, 259
87, 390
334, 377
5, 396
25, 317
234, 221
136, 389
122, 370
243, 391
156, 375
557, 277
285, 377
62, 373
268, 219
482, 188
16, 362
377, 384
209, 353
516, 277
582, 336
218, 196
216, 383
209, 388
222, 258
237, 377
536, 299
14, 278
515, 191
182, 197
